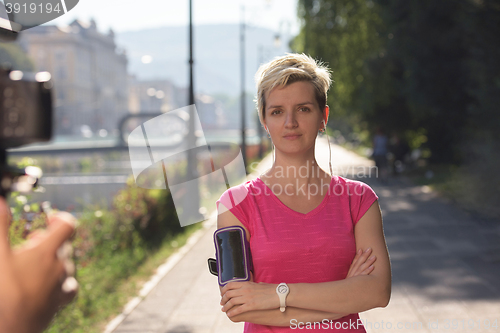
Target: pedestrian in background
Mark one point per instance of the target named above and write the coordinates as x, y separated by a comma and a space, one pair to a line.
380, 150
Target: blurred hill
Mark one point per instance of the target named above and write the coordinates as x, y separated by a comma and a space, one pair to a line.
216, 55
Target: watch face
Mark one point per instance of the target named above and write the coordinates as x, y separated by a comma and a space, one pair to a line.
282, 289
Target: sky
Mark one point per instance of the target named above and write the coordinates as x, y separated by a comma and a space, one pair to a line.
128, 15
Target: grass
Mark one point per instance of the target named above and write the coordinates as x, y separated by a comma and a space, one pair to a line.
114, 274
116, 250
106, 299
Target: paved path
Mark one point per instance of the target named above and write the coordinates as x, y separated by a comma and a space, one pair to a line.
445, 264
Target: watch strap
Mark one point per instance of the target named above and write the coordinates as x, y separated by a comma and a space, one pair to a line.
282, 290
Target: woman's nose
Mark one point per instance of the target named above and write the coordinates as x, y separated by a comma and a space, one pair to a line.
290, 120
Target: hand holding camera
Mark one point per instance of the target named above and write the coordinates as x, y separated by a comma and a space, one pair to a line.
37, 278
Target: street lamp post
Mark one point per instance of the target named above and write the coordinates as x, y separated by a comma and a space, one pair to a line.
260, 129
191, 201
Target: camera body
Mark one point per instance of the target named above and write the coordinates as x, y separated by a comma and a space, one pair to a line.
25, 116
25, 108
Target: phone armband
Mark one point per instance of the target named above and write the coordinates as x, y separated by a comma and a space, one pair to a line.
233, 259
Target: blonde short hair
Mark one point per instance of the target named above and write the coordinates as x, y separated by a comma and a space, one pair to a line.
288, 69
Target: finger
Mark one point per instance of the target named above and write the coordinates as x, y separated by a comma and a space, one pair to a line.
236, 310
59, 271
5, 218
69, 290
232, 302
37, 235
230, 294
359, 261
54, 218
230, 286
368, 270
69, 267
226, 297
358, 253
365, 265
368, 265
229, 304
232, 310
61, 227
64, 251
364, 256
353, 263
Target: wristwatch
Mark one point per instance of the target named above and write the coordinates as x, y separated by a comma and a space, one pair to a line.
282, 290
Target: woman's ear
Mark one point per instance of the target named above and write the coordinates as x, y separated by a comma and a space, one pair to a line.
326, 113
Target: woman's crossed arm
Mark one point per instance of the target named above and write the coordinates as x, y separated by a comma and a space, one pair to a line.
364, 287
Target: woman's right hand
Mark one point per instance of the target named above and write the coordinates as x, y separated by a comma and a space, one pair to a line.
362, 263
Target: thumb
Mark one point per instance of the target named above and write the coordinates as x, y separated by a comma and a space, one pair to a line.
61, 227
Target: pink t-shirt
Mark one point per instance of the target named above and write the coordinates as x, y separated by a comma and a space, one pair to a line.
288, 246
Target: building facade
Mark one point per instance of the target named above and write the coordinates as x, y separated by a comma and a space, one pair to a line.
89, 74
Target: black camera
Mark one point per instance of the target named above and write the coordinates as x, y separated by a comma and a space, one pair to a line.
25, 117
25, 108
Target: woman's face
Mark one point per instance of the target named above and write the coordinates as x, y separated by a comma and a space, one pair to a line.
293, 117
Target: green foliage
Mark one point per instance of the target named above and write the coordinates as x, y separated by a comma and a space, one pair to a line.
408, 66
424, 70
25, 216
12, 56
109, 246
85, 165
340, 33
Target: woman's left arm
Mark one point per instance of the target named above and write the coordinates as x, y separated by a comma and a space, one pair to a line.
352, 295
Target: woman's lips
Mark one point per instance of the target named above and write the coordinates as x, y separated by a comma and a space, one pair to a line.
292, 136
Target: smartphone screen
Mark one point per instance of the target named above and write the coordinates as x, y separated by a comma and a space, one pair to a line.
231, 256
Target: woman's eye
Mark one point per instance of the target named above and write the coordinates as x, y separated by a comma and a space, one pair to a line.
304, 109
275, 112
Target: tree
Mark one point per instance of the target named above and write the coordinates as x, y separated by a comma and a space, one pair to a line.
12, 56
341, 33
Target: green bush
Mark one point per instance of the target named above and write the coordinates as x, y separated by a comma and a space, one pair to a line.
109, 246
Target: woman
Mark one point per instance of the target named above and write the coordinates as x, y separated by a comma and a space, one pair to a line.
314, 235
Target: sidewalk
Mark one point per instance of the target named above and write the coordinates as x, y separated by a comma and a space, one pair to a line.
445, 265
